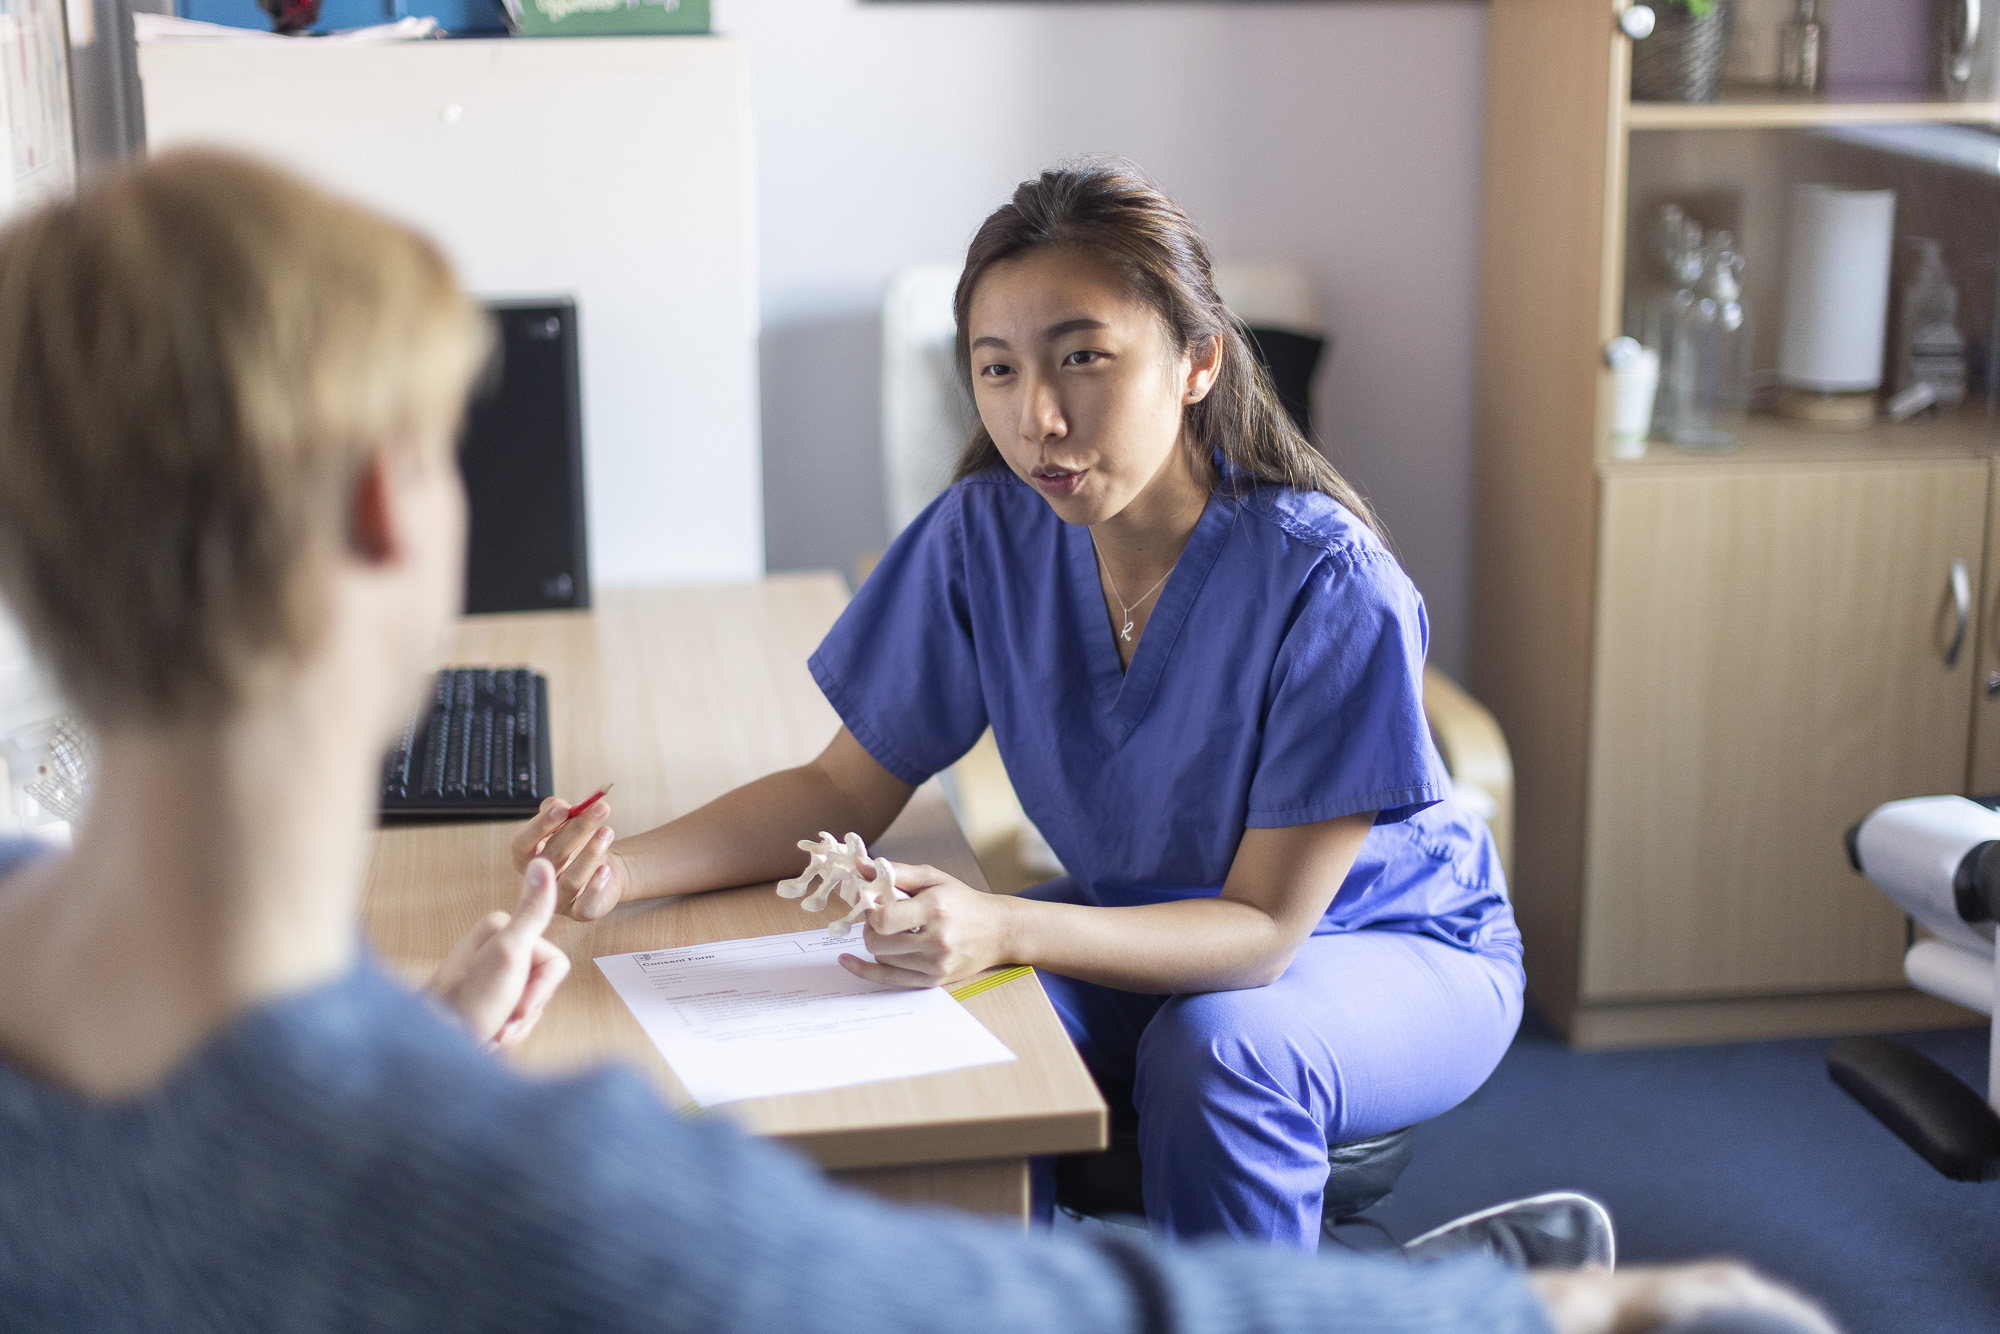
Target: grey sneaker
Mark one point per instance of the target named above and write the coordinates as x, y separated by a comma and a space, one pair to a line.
1561, 1230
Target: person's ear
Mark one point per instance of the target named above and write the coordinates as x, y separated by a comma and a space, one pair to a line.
374, 532
1204, 365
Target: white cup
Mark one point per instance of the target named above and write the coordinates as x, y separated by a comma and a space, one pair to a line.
1635, 378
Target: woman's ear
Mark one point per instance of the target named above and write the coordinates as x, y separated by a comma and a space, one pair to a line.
1204, 364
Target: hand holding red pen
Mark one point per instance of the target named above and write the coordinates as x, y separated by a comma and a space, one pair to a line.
590, 878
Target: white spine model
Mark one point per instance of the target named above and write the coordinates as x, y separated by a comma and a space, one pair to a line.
839, 869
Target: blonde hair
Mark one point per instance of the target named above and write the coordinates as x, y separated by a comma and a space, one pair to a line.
197, 355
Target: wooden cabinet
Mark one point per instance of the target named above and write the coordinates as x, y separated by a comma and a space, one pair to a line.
1709, 666
1983, 764
1771, 663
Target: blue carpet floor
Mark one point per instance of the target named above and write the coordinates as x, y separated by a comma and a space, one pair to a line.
1746, 1150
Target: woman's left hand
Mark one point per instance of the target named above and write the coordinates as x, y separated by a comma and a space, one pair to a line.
944, 933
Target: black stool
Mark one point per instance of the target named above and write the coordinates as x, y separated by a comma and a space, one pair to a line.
1360, 1173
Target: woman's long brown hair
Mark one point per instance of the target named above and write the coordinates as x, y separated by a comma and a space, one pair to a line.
1107, 211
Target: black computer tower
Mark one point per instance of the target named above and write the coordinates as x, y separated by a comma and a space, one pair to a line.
523, 462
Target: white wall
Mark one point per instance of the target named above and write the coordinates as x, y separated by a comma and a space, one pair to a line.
615, 172
1345, 135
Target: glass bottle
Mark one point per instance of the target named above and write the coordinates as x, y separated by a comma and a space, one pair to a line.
1802, 51
1677, 263
1668, 243
1711, 351
1930, 347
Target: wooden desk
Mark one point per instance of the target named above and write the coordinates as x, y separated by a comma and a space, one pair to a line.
678, 695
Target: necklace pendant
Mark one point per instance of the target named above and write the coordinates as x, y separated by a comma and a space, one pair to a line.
1126, 633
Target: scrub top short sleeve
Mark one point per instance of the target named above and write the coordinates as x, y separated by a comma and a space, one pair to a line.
1344, 729
899, 666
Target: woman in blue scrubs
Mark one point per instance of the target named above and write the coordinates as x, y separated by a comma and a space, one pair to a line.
1204, 671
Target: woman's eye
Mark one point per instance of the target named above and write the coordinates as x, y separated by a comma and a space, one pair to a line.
994, 370
1081, 357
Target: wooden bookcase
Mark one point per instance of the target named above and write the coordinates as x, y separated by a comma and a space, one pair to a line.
1709, 666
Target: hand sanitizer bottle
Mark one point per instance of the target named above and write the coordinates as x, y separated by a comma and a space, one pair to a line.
1931, 349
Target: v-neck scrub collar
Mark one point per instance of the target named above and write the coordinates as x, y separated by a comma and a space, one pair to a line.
1122, 691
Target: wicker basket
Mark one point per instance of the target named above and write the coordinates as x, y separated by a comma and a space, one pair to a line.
1682, 61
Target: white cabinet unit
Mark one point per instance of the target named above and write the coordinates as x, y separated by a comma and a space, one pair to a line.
614, 171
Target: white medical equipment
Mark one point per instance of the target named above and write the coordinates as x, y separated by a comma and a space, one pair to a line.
1939, 858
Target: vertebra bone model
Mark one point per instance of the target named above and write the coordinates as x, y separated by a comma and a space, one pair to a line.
838, 868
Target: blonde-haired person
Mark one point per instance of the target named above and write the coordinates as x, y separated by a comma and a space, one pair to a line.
230, 522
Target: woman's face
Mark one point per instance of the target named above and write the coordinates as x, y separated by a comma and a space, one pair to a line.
1078, 385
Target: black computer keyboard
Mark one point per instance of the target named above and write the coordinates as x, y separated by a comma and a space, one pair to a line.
480, 750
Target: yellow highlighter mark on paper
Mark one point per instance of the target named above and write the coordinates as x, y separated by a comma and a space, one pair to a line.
986, 984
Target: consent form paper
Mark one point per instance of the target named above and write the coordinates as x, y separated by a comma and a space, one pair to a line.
778, 1014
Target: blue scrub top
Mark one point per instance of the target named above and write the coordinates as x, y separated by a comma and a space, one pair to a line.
1278, 682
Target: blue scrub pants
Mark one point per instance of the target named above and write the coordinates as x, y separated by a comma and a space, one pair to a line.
1239, 1093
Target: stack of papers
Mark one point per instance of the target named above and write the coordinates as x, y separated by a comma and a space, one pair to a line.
778, 1014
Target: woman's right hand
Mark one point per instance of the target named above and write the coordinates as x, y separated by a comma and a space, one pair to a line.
591, 879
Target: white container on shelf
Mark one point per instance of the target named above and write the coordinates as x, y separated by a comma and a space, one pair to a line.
1635, 378
1836, 303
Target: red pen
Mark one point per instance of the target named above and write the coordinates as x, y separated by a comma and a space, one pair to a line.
584, 805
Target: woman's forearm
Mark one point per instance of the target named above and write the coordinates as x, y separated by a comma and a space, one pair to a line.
745, 836
1207, 944
1279, 886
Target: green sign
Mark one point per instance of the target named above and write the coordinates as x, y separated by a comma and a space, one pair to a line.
607, 18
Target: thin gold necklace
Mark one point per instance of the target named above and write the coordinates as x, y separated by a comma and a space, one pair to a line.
1119, 598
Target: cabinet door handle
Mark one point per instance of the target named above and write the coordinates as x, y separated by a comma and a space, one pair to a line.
1636, 21
1961, 601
